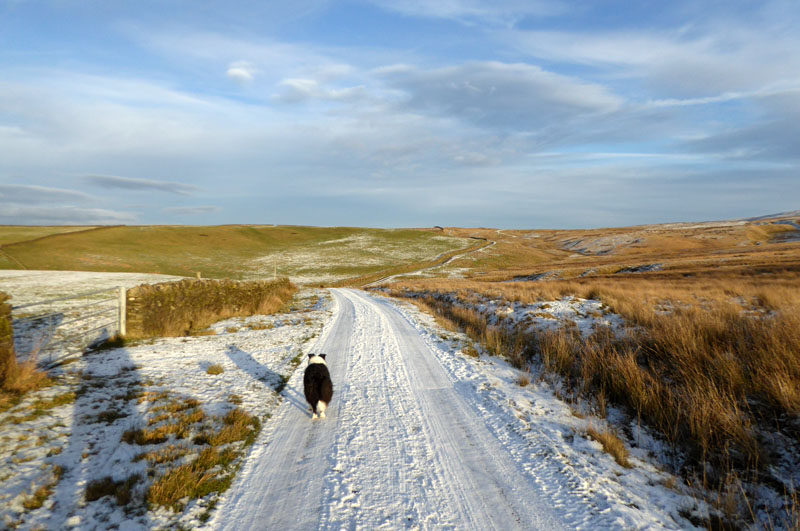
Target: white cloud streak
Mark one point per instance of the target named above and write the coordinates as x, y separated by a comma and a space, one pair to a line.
128, 183
191, 210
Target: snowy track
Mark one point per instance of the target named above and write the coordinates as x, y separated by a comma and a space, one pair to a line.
400, 447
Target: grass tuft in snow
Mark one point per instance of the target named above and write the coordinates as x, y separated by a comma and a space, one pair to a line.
120, 490
215, 369
612, 444
41, 494
211, 471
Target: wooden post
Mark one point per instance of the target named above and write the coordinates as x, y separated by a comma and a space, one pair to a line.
123, 325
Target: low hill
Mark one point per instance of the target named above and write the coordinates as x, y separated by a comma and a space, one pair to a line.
305, 254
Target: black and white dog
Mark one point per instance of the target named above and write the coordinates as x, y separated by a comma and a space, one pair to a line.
317, 385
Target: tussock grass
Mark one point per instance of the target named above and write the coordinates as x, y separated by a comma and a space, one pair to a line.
215, 369
176, 418
188, 454
120, 490
163, 455
211, 470
179, 308
238, 426
43, 492
612, 445
194, 480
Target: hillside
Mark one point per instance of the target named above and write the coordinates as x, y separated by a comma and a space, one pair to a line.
769, 241
306, 254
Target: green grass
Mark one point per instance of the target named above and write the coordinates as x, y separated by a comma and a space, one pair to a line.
231, 251
16, 234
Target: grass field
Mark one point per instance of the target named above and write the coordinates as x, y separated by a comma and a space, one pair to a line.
19, 233
305, 254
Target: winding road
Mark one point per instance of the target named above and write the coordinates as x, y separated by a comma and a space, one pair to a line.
400, 447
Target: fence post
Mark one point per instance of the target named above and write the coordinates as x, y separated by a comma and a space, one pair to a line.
123, 325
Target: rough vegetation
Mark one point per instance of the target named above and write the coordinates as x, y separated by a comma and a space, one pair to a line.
180, 308
711, 361
15, 378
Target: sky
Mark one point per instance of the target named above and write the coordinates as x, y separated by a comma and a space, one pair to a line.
526, 114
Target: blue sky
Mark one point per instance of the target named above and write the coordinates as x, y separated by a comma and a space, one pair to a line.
504, 113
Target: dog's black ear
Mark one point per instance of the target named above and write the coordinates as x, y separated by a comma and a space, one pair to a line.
311, 355
322, 356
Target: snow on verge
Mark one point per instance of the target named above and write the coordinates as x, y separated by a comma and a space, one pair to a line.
59, 440
536, 426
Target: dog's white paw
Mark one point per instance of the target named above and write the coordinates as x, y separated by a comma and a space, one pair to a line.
322, 415
314, 416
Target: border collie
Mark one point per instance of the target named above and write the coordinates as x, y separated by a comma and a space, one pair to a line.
317, 385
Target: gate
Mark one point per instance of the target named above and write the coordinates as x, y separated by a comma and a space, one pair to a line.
53, 330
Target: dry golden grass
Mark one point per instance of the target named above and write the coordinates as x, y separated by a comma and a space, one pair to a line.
166, 454
712, 354
215, 369
194, 480
16, 379
238, 426
612, 444
176, 418
209, 472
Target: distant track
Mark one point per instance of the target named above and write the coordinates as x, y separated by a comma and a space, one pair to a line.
429, 268
400, 447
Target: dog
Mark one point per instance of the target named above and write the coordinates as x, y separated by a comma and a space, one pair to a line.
317, 385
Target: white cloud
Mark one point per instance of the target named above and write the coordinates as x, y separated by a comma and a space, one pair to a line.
516, 96
297, 90
19, 193
498, 11
241, 72
128, 183
714, 53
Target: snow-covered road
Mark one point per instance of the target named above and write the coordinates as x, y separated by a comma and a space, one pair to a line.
400, 447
